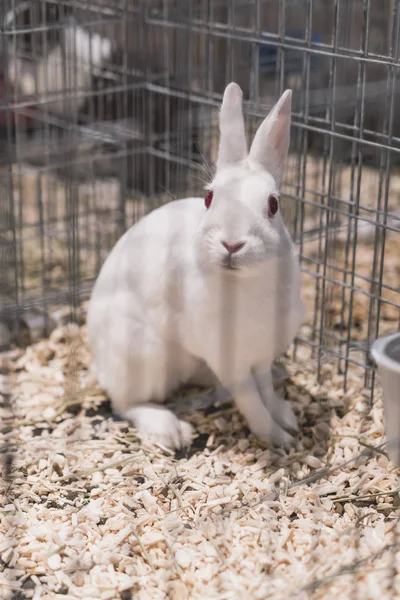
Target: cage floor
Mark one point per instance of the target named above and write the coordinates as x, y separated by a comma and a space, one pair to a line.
91, 512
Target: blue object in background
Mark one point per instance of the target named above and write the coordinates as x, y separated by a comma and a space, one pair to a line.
293, 57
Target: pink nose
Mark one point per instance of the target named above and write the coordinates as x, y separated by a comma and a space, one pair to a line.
232, 248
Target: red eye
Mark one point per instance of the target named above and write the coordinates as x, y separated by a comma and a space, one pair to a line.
273, 205
208, 199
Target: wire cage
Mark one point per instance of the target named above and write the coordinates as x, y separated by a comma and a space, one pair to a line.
109, 108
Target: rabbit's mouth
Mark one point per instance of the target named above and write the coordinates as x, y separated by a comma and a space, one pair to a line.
230, 265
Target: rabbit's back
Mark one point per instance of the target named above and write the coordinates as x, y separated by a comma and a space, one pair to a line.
133, 317
143, 266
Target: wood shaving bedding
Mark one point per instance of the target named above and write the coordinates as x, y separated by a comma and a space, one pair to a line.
90, 512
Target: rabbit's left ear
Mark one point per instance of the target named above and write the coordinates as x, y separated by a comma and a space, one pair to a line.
271, 142
232, 143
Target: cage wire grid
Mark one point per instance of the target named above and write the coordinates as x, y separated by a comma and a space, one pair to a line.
109, 109
342, 89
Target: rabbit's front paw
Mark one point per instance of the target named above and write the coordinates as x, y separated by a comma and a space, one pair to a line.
286, 417
160, 425
276, 436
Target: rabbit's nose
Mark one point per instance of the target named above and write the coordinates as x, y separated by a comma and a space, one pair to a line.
232, 248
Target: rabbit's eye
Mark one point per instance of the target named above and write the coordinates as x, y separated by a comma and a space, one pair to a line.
273, 205
208, 199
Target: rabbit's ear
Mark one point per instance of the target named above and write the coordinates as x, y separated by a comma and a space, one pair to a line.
232, 143
271, 142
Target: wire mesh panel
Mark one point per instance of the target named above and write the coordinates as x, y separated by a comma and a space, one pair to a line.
109, 106
109, 109
85, 137
340, 59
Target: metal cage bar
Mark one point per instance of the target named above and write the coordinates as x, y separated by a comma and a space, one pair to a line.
108, 108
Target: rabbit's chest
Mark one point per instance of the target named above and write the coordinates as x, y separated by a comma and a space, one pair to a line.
251, 322
246, 327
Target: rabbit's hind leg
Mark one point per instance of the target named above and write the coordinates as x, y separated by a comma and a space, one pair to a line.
151, 382
137, 380
158, 424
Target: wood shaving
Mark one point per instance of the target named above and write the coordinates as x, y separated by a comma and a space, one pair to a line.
91, 512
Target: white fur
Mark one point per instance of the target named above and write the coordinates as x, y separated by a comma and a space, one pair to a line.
88, 49
67, 66
166, 309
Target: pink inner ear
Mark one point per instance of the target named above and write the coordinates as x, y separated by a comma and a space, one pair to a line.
271, 142
280, 133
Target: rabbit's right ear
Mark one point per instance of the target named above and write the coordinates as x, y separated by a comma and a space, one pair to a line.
232, 142
271, 143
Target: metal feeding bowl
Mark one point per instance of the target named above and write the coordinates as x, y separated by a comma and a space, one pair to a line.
386, 353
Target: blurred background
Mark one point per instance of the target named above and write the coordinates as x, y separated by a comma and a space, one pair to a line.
109, 108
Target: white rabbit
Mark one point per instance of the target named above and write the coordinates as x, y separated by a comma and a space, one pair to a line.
205, 291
